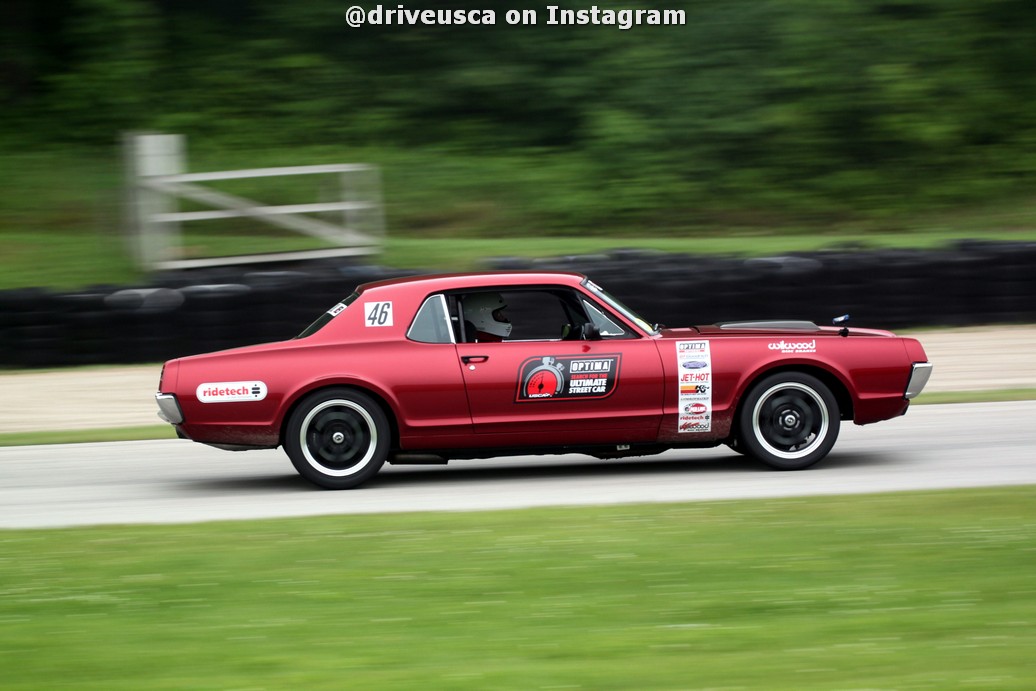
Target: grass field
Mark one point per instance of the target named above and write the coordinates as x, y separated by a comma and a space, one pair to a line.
61, 217
70, 260
907, 591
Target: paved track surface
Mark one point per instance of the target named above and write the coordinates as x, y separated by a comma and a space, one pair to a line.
969, 359
173, 481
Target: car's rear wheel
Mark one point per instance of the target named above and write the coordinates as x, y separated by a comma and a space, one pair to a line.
337, 438
788, 421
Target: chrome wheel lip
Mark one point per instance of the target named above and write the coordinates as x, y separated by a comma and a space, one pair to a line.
368, 421
819, 411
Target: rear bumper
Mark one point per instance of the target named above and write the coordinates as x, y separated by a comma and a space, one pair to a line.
918, 379
169, 408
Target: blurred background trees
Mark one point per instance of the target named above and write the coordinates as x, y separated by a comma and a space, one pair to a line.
755, 112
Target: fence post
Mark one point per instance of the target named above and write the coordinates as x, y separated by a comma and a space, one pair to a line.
150, 155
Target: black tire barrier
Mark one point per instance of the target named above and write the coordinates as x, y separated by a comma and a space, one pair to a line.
188, 312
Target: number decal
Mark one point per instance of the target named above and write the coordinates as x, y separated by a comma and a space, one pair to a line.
377, 313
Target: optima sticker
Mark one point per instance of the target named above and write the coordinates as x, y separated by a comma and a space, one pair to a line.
694, 360
231, 391
567, 377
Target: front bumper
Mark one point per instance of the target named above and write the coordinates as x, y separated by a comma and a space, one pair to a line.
169, 408
918, 378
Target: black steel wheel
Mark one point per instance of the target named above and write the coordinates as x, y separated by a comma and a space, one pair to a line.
337, 438
789, 421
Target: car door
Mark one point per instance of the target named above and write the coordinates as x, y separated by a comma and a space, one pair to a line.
537, 387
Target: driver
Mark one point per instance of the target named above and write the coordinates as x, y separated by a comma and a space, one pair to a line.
485, 318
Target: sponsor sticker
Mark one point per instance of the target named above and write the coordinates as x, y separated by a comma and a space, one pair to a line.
231, 391
695, 423
566, 377
337, 309
791, 347
694, 360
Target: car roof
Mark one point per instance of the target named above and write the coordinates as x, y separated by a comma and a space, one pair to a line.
455, 281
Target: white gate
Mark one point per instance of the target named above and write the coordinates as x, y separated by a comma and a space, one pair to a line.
156, 180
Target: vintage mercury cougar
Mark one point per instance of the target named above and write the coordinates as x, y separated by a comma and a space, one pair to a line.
432, 368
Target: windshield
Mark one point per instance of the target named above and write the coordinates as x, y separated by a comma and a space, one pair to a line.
327, 316
618, 306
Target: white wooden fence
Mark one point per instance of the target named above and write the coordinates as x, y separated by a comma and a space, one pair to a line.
156, 181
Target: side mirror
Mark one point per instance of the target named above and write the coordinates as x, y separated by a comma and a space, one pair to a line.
591, 332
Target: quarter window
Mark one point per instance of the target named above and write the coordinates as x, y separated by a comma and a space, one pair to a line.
607, 327
431, 325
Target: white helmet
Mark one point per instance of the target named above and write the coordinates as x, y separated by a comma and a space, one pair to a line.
484, 310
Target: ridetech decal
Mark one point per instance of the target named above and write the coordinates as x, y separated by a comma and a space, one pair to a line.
694, 373
566, 377
230, 391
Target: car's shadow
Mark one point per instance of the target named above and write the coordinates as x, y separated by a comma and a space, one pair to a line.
683, 465
553, 468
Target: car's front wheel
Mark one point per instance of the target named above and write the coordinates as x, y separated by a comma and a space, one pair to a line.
789, 421
337, 438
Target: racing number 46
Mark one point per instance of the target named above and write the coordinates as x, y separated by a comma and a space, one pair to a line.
377, 313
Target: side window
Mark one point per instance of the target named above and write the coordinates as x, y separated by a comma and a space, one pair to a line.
517, 315
432, 324
536, 315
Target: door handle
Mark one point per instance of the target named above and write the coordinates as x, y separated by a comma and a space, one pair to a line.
467, 359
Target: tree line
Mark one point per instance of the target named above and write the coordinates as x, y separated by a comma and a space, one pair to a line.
753, 107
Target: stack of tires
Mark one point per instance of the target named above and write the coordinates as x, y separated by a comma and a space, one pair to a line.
183, 313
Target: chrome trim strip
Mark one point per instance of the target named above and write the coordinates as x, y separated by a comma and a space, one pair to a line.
446, 316
169, 408
919, 375
776, 325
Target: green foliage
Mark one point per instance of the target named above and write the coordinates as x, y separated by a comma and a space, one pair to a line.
752, 112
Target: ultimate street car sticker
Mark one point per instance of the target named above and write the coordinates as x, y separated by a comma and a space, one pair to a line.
567, 377
231, 391
694, 364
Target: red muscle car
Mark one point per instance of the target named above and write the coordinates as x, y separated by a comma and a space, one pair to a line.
444, 367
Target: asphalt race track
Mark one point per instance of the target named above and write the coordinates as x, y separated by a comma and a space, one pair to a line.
173, 481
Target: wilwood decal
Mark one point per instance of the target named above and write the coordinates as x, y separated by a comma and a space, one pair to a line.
566, 377
787, 347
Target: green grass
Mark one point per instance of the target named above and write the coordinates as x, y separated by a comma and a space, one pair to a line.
61, 215
940, 397
471, 253
72, 260
910, 590
87, 435
64, 259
